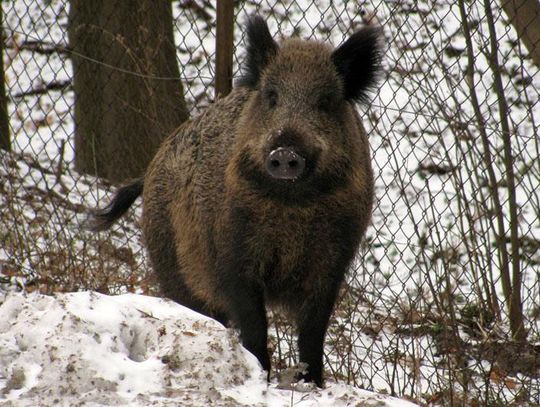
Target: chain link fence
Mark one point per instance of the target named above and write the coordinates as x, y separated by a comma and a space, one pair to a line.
443, 303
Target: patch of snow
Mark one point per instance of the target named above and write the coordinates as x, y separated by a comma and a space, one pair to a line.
92, 349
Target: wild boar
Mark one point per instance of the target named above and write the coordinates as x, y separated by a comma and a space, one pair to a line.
263, 199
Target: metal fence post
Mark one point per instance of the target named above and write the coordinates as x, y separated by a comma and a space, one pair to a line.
224, 47
4, 120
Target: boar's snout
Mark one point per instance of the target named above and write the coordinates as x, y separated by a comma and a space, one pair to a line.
285, 163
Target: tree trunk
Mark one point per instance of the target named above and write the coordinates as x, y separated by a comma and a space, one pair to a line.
4, 119
525, 17
127, 84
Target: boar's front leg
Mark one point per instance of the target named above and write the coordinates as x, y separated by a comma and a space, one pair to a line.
247, 312
243, 295
312, 324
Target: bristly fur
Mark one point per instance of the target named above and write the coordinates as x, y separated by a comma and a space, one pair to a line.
358, 62
261, 48
102, 219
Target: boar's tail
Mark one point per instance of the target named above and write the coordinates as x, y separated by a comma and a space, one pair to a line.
101, 219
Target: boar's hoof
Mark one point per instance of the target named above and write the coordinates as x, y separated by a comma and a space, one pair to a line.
285, 163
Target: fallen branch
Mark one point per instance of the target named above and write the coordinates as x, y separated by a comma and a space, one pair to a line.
45, 89
41, 47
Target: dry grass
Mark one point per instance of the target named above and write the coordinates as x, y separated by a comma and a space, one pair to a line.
46, 247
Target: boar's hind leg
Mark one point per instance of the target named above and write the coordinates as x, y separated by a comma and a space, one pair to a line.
162, 251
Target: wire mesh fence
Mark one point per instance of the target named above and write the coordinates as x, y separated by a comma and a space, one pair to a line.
443, 302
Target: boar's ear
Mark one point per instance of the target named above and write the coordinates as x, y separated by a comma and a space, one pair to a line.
261, 48
358, 62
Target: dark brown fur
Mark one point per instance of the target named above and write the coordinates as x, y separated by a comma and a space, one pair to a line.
224, 237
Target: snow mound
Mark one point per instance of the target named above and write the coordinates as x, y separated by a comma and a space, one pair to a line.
92, 349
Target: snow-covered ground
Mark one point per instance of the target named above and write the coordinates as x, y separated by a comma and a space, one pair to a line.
96, 350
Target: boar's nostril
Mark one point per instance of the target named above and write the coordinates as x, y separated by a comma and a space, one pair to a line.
285, 163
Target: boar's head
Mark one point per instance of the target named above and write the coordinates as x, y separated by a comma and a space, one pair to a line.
299, 136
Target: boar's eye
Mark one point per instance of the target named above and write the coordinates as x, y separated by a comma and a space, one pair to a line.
325, 103
271, 97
